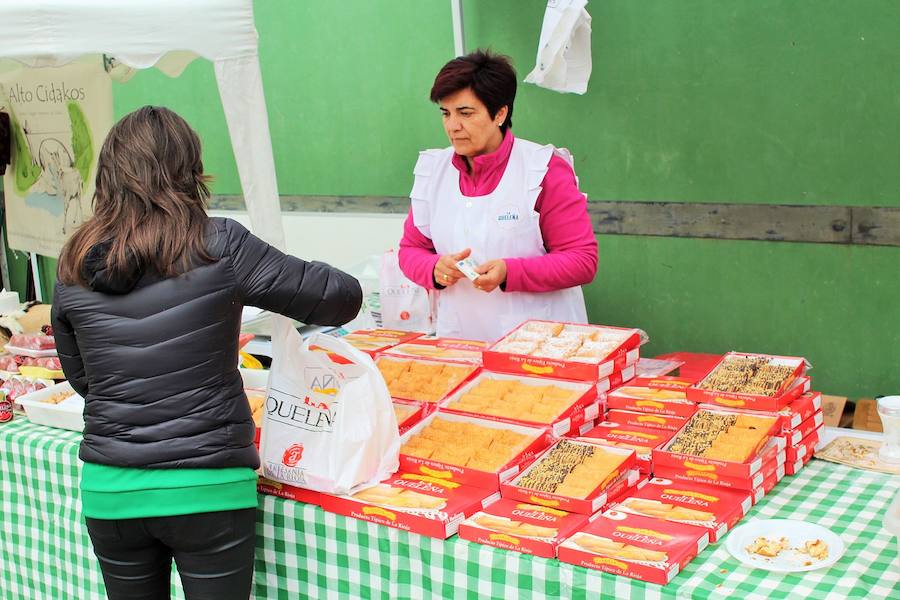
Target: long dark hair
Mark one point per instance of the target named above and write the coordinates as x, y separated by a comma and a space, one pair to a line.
150, 199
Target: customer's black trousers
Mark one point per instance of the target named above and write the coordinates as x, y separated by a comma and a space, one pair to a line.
213, 552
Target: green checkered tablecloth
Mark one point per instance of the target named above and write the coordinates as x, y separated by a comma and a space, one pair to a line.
305, 552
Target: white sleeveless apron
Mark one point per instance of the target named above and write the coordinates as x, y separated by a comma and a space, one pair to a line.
502, 224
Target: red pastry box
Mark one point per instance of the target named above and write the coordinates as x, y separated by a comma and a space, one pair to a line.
408, 414
264, 485
703, 476
658, 395
694, 365
791, 416
411, 502
565, 350
423, 380
521, 527
373, 341
616, 380
531, 401
635, 546
575, 476
713, 508
640, 419
769, 482
443, 349
805, 448
468, 450
795, 467
640, 439
754, 381
800, 410
612, 500
795, 436
721, 442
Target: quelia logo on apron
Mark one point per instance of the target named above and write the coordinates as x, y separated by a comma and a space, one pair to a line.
508, 217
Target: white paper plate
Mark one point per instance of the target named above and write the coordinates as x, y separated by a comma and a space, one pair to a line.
789, 561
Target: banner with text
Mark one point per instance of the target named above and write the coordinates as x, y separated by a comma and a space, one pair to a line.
60, 117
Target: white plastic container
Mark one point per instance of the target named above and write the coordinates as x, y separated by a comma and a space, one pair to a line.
68, 414
892, 521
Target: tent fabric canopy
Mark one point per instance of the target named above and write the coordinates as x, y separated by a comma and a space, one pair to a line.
167, 34
137, 32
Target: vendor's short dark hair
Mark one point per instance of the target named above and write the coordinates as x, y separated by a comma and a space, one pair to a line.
490, 76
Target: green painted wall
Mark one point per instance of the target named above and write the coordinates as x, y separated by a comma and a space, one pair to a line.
699, 101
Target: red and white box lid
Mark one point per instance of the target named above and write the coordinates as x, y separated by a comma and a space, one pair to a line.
413, 502
621, 476
442, 349
714, 508
640, 419
521, 527
793, 386
657, 395
373, 341
545, 348
635, 546
666, 456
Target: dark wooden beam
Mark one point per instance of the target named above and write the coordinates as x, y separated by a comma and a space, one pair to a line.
819, 224
879, 226
326, 204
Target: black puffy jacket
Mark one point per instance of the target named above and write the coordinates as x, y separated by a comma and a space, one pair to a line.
156, 359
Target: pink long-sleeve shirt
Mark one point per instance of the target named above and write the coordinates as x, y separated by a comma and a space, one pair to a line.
571, 257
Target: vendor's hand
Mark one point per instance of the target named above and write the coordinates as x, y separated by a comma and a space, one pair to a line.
445, 271
493, 274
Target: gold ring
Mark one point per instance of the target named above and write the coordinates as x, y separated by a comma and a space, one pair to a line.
446, 277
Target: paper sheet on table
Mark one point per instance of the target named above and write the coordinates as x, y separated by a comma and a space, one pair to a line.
856, 452
564, 52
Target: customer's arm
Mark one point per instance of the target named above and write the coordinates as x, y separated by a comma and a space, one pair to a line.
310, 292
67, 346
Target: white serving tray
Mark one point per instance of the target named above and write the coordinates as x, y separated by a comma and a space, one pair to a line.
68, 414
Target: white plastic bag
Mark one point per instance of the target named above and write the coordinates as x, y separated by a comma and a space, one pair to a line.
564, 53
327, 426
405, 305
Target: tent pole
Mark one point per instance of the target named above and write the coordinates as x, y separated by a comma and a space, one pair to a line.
459, 36
4, 266
36, 273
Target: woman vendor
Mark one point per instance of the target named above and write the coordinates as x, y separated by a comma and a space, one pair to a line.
510, 205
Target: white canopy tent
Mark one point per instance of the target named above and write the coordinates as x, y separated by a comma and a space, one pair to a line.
167, 34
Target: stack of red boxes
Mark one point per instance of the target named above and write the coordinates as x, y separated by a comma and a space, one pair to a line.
563, 356
454, 353
575, 489
724, 448
644, 414
543, 505
802, 424
798, 410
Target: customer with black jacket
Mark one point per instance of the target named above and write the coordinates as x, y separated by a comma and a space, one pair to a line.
146, 316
